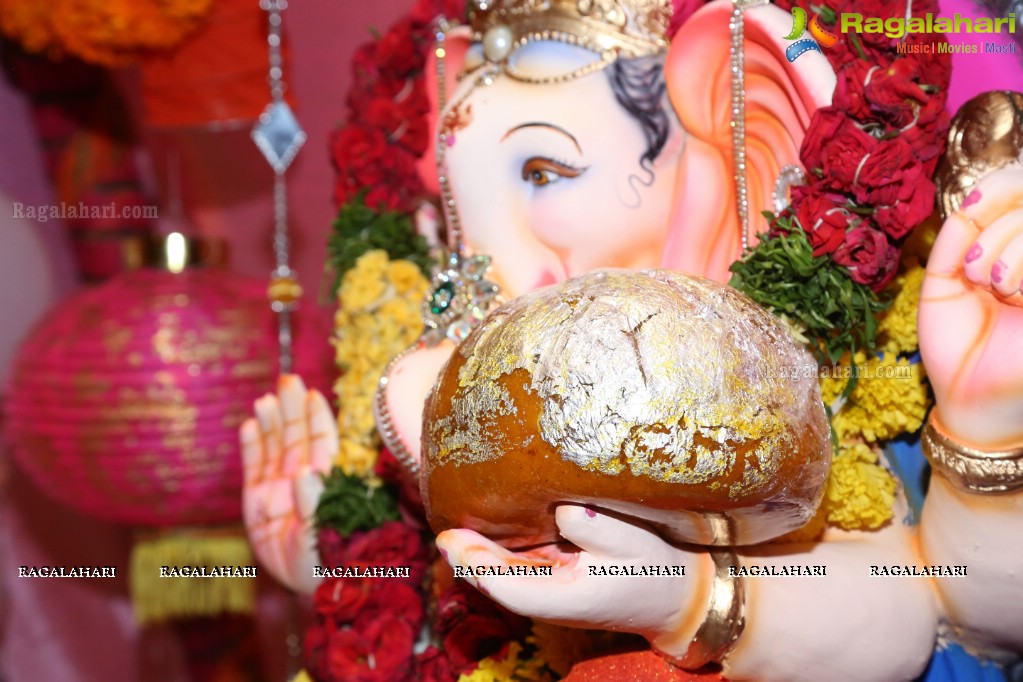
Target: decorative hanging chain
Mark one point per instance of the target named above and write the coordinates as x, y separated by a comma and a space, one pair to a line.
279, 136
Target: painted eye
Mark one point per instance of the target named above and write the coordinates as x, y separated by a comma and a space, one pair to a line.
539, 171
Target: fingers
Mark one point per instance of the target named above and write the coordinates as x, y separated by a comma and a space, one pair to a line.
983, 262
552, 597
951, 246
268, 414
252, 451
602, 535
308, 488
323, 438
293, 395
1007, 271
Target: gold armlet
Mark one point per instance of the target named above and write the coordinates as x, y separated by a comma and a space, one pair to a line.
726, 615
971, 469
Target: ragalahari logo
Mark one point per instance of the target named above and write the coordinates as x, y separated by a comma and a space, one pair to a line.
898, 28
821, 36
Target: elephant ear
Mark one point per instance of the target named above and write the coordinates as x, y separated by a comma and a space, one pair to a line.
705, 236
456, 46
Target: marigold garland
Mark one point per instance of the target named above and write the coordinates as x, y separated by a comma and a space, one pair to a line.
890, 399
104, 32
860, 493
897, 330
377, 318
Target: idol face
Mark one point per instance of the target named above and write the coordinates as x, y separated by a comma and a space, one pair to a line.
549, 179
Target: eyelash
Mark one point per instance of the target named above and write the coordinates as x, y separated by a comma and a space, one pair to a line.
550, 170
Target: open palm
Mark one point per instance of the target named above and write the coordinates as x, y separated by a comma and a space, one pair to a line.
287, 446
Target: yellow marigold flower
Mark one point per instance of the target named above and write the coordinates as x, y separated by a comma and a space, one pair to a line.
378, 318
361, 290
889, 399
860, 491
356, 459
898, 329
493, 670
512, 668
404, 276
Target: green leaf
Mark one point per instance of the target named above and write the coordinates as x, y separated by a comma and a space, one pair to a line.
359, 228
782, 274
348, 504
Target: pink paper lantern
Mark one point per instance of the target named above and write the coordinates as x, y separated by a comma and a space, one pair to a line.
125, 401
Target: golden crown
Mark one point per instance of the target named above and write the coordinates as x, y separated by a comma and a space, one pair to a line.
610, 28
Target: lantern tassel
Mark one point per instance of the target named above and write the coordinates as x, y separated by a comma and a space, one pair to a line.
161, 591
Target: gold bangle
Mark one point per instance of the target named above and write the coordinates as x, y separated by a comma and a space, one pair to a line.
726, 615
971, 469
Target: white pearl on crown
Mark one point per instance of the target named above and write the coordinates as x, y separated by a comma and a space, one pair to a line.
497, 43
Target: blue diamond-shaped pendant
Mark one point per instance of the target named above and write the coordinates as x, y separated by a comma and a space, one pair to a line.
278, 135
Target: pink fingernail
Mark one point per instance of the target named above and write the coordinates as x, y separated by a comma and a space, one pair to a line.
971, 198
590, 513
975, 252
998, 271
451, 139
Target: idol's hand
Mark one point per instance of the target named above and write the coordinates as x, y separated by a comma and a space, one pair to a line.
590, 586
292, 440
971, 315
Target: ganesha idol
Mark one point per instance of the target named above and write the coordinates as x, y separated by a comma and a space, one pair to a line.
609, 176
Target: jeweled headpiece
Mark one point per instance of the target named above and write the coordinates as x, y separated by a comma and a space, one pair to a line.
609, 28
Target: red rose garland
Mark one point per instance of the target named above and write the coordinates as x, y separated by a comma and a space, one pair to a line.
387, 130
871, 154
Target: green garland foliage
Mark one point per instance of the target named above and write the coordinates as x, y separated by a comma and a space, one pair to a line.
782, 274
348, 504
359, 228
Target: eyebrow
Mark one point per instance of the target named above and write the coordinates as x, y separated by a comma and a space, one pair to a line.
551, 126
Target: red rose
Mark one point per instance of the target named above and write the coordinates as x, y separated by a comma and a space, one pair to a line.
391, 640
885, 176
433, 666
894, 91
892, 174
348, 658
849, 89
331, 545
397, 50
415, 106
472, 627
356, 148
364, 160
898, 219
383, 114
834, 146
390, 544
823, 217
364, 67
314, 650
388, 597
869, 257
341, 600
